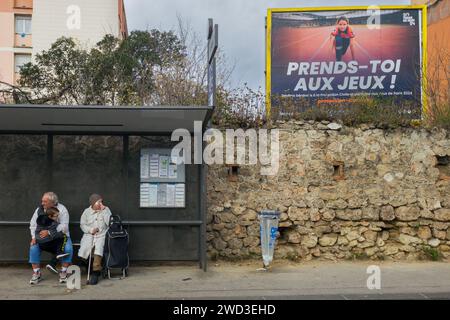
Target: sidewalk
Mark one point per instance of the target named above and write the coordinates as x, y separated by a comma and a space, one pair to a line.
241, 280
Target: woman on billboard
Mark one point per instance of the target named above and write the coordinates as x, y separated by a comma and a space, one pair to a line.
343, 38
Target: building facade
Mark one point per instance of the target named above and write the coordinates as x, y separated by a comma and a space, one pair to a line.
30, 26
438, 48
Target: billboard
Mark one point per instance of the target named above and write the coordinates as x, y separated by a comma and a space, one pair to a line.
333, 54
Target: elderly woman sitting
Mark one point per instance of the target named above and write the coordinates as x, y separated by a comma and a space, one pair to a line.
94, 223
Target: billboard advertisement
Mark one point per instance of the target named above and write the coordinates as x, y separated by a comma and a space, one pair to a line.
332, 55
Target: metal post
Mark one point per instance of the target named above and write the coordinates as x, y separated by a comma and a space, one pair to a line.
203, 206
49, 162
204, 172
202, 217
125, 171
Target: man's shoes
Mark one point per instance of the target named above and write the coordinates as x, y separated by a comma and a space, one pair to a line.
93, 280
62, 277
35, 278
52, 267
62, 255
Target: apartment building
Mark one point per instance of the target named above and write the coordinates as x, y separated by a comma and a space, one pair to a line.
438, 19
438, 46
30, 26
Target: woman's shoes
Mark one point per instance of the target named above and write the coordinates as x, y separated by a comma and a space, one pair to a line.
93, 280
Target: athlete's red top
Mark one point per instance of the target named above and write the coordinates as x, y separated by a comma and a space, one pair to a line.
348, 33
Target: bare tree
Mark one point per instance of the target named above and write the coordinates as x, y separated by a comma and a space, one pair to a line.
186, 82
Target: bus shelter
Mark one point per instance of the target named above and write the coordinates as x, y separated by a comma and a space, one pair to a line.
122, 153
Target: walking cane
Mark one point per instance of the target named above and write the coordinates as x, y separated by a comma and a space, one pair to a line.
90, 256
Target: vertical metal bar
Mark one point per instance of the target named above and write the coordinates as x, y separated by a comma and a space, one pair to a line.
49, 162
204, 172
125, 171
203, 211
200, 217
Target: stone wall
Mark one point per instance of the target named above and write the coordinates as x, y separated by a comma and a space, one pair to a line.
342, 192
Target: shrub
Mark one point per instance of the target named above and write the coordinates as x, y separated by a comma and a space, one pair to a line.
432, 254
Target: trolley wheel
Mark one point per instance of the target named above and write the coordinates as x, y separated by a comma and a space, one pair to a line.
104, 273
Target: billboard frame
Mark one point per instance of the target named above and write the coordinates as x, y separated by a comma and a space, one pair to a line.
423, 47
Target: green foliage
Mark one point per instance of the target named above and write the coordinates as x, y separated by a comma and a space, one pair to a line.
439, 115
114, 72
432, 254
359, 256
239, 108
56, 73
292, 256
382, 112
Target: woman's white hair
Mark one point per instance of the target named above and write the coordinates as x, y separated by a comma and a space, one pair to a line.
52, 197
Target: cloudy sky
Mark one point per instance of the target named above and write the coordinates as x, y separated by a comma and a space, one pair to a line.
241, 25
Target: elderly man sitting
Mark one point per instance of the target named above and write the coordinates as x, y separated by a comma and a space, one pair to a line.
94, 223
49, 200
